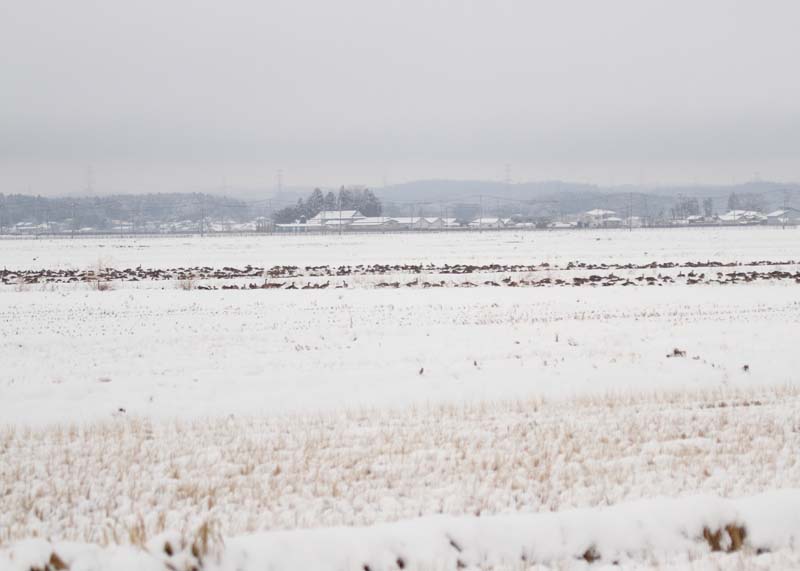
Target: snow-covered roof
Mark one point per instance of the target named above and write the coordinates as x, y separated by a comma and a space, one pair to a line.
337, 214
783, 212
339, 222
600, 212
406, 219
373, 221
734, 215
298, 225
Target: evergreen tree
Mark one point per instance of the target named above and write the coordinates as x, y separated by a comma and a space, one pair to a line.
708, 207
345, 201
315, 203
733, 202
369, 205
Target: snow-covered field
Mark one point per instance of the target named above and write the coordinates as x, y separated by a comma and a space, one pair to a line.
81, 355
154, 407
643, 245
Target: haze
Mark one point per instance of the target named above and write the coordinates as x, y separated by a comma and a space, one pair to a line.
188, 95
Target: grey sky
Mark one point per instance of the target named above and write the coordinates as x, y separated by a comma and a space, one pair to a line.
179, 94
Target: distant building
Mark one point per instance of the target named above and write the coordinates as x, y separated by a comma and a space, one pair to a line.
784, 217
336, 217
600, 218
412, 222
374, 224
327, 220
743, 217
487, 223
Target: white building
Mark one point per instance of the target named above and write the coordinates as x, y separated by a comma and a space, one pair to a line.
411, 222
784, 217
600, 218
327, 220
742, 217
374, 224
336, 217
450, 223
487, 223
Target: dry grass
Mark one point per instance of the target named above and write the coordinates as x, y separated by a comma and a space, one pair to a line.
730, 538
101, 285
129, 479
187, 284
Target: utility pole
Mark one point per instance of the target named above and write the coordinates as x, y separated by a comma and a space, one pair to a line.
202, 214
89, 181
480, 219
785, 208
2, 214
630, 212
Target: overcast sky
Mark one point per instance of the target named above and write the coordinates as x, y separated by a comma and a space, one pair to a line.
160, 95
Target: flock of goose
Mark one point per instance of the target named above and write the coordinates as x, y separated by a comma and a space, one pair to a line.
426, 275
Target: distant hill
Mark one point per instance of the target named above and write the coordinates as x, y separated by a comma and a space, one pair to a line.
561, 197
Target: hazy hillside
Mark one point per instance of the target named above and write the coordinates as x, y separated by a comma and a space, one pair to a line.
568, 197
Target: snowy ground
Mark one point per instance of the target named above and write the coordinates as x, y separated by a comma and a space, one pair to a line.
80, 355
154, 407
642, 245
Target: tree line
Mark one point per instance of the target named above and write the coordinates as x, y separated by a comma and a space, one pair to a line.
692, 206
102, 212
361, 199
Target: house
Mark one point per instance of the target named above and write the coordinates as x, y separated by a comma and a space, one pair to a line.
434, 223
411, 222
633, 222
487, 223
264, 224
784, 217
327, 220
374, 224
298, 227
744, 217
335, 218
599, 218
